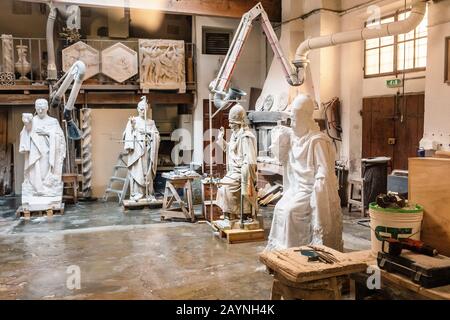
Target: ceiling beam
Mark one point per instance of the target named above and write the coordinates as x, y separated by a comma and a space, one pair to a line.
217, 8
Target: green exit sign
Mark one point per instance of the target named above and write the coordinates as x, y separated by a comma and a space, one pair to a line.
394, 83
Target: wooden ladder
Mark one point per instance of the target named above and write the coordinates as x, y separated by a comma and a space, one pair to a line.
117, 178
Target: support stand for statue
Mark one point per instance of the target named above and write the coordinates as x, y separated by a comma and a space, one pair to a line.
27, 213
174, 207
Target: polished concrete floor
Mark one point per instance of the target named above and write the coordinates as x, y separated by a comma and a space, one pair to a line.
131, 256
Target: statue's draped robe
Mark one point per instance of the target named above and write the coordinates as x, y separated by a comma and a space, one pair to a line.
309, 211
142, 162
44, 156
241, 174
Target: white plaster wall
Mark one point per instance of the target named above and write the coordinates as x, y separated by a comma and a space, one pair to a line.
107, 129
437, 93
250, 70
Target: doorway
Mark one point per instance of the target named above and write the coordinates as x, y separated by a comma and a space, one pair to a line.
393, 127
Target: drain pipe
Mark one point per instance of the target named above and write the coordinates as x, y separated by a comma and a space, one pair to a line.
389, 29
66, 12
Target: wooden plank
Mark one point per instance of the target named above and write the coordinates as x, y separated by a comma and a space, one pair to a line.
429, 186
219, 8
240, 235
102, 98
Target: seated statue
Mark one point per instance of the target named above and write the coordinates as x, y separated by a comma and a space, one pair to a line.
141, 144
309, 211
240, 178
44, 146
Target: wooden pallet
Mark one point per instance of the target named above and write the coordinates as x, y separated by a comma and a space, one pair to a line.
240, 235
141, 204
27, 214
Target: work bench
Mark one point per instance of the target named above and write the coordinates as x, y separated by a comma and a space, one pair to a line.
394, 285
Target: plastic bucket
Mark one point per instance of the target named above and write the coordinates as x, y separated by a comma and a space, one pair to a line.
394, 223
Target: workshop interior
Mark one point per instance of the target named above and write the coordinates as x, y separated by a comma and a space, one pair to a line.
224, 150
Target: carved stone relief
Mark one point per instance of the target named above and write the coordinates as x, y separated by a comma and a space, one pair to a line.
119, 62
84, 52
162, 64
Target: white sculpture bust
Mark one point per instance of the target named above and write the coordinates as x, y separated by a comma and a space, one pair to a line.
141, 143
309, 211
43, 144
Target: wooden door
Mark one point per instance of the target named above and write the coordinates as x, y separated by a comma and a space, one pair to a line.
378, 127
408, 128
393, 127
220, 120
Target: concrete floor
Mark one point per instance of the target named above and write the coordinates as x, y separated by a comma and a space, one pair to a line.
131, 256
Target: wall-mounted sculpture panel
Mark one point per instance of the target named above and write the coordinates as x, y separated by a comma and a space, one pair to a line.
162, 65
84, 52
119, 62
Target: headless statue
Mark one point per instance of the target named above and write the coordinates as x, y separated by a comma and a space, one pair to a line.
43, 144
240, 178
309, 211
141, 143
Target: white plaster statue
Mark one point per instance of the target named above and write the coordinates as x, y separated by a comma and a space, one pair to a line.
309, 211
241, 167
142, 143
43, 144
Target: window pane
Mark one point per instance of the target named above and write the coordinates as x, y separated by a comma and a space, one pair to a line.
405, 58
372, 43
421, 53
372, 61
387, 59
388, 20
387, 40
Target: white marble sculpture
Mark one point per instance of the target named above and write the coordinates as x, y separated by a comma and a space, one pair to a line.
84, 52
241, 173
44, 146
141, 143
8, 53
162, 64
119, 62
309, 211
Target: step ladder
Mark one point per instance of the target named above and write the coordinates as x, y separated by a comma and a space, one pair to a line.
119, 176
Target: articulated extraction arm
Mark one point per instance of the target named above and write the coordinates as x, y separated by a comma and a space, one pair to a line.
74, 74
293, 74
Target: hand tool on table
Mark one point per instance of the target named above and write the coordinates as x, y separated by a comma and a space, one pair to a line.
395, 246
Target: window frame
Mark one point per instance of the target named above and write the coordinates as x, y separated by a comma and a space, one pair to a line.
396, 43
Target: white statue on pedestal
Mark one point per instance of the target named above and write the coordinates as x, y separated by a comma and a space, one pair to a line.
309, 211
43, 144
142, 143
241, 175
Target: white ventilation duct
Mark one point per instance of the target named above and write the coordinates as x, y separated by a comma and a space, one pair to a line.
389, 29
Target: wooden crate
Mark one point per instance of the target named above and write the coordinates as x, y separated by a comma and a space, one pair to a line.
429, 186
27, 214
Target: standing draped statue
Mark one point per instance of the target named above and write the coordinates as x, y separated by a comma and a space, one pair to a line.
141, 143
43, 144
241, 175
309, 211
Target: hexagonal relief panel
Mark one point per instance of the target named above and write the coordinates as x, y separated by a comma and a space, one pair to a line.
119, 62
84, 52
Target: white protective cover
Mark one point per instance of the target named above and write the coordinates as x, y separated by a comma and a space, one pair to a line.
309, 211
